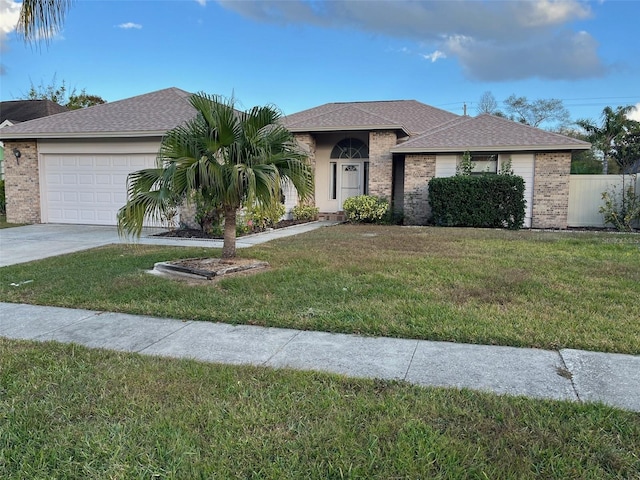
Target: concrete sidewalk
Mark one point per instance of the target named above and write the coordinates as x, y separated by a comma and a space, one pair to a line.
34, 242
576, 375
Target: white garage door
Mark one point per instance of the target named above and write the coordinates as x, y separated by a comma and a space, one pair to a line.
87, 189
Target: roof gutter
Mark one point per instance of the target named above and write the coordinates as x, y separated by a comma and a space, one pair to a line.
493, 148
80, 135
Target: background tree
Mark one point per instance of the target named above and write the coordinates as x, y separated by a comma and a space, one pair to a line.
487, 104
536, 112
615, 125
583, 162
41, 19
229, 157
626, 149
61, 95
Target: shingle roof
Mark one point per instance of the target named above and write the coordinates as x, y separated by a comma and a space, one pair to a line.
17, 111
408, 115
487, 133
151, 114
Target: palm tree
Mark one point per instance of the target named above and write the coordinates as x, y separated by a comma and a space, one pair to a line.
614, 124
229, 157
41, 19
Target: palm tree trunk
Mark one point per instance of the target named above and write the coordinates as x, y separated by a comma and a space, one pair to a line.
229, 245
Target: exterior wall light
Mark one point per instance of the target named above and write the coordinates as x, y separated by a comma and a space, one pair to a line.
17, 154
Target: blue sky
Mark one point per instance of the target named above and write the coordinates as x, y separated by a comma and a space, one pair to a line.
299, 54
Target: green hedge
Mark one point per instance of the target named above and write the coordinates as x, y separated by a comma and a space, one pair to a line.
495, 201
3, 200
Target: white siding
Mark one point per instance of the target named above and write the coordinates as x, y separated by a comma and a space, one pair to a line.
522, 165
290, 199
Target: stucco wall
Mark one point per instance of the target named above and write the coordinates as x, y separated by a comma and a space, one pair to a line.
22, 182
323, 143
551, 190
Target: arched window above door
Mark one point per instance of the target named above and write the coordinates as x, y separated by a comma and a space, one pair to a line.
350, 148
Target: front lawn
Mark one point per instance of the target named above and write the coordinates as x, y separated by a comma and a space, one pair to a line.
532, 289
71, 412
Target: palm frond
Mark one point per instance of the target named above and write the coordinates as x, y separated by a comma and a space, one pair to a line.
41, 19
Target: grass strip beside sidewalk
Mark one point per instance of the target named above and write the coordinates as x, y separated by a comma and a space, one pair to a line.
70, 412
529, 289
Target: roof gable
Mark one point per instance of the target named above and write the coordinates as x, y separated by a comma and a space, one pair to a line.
16, 111
489, 133
409, 115
151, 114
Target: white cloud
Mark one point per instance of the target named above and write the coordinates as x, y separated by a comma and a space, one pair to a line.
635, 113
130, 25
551, 12
491, 40
9, 14
435, 56
202, 2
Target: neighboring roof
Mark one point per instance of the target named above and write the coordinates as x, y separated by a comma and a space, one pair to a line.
410, 116
16, 111
152, 114
488, 133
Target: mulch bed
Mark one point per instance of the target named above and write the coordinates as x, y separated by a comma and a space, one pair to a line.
194, 233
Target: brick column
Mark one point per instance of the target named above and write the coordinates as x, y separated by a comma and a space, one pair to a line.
418, 170
22, 182
308, 144
551, 190
381, 162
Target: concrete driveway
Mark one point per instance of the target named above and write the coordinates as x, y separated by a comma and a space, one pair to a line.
33, 242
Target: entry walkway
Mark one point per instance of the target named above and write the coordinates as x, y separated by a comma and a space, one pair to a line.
574, 375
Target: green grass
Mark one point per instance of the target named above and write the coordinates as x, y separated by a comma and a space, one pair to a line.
531, 289
71, 412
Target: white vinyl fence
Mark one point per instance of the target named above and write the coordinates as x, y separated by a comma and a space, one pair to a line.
585, 197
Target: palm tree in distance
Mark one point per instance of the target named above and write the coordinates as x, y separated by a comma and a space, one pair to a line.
41, 19
229, 157
615, 123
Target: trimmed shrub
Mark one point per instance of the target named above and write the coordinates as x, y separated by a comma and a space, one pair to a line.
495, 201
305, 212
265, 216
366, 209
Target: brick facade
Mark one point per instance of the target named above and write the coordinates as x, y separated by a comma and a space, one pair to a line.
551, 190
308, 143
418, 170
381, 162
22, 182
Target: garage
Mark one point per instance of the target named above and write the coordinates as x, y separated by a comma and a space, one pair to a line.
72, 167
87, 189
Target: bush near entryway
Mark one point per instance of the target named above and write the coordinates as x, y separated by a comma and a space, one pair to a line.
495, 201
366, 209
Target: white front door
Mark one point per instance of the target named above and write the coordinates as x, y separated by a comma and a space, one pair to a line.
350, 181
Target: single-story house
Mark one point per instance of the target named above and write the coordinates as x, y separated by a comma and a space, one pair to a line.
73, 166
